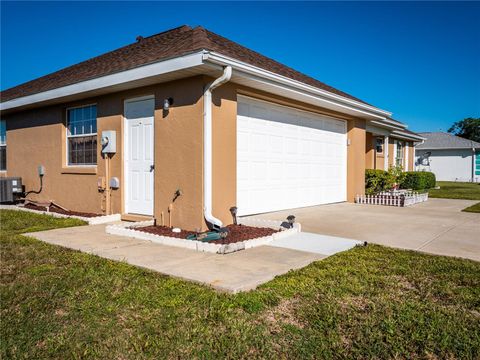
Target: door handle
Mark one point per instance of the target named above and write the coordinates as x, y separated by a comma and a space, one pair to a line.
152, 167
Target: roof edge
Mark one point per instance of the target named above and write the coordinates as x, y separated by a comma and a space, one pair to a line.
219, 59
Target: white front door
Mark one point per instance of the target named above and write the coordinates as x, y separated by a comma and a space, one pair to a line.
287, 158
139, 164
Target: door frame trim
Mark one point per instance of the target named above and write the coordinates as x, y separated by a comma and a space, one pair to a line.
125, 150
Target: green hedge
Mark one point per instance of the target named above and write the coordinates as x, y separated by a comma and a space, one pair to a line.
418, 180
379, 180
375, 181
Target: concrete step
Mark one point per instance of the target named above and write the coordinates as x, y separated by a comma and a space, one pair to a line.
316, 243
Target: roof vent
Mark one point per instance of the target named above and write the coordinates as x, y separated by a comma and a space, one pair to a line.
139, 38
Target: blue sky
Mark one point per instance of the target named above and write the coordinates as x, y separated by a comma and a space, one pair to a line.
419, 60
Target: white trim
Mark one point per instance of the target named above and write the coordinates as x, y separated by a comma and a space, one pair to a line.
397, 131
289, 107
67, 136
386, 155
394, 162
253, 70
196, 59
82, 135
96, 220
406, 157
405, 136
386, 125
125, 151
142, 72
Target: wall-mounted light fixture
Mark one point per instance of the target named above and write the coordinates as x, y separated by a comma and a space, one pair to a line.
167, 103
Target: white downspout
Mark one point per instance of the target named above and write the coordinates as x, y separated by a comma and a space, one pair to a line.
406, 155
207, 146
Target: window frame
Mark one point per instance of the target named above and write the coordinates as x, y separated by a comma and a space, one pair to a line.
67, 136
399, 160
4, 145
381, 145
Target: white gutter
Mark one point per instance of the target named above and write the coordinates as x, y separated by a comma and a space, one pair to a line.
387, 125
406, 136
259, 73
207, 146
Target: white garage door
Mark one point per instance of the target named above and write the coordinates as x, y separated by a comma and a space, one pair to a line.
287, 158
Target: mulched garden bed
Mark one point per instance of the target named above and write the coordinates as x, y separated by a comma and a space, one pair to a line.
236, 233
58, 210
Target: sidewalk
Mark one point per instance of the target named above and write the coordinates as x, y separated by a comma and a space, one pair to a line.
239, 271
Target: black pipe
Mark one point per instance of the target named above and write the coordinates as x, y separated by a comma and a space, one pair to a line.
35, 191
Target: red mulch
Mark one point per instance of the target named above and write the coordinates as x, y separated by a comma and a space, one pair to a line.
57, 210
236, 233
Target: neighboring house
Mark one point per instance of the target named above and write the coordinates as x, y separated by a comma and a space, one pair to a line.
262, 137
449, 157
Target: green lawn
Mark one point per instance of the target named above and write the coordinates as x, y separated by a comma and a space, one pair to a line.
370, 302
456, 190
474, 208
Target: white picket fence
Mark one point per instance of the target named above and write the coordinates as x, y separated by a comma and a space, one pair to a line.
399, 198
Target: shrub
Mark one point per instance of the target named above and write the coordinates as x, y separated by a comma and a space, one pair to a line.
395, 176
375, 181
418, 180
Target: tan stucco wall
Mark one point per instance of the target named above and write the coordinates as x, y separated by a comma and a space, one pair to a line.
391, 154
179, 153
356, 158
369, 151
380, 158
411, 156
38, 137
373, 159
224, 151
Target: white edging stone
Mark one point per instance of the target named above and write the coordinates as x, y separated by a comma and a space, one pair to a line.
103, 219
125, 229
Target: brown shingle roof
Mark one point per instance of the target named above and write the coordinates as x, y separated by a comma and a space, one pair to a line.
168, 44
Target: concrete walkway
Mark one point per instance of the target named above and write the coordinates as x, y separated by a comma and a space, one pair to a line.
315, 243
239, 271
437, 226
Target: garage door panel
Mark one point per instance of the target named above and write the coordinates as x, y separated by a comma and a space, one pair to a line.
287, 158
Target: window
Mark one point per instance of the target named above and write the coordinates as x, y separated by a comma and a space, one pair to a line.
399, 154
379, 145
82, 135
3, 145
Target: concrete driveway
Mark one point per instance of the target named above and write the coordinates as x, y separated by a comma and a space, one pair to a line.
437, 226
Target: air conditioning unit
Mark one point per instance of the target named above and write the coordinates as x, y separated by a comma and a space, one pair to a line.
10, 189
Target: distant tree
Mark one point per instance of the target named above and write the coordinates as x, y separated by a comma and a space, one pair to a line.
468, 128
